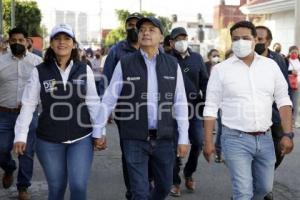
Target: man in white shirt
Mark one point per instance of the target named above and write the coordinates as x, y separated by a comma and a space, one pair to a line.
15, 69
244, 87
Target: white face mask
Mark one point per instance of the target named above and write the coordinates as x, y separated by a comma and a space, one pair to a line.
242, 48
215, 59
181, 46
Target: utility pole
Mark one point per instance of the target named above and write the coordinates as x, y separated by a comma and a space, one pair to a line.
12, 14
1, 18
140, 6
297, 23
100, 21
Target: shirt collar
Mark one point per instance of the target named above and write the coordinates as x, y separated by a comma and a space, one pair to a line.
236, 59
145, 55
179, 56
68, 68
127, 46
186, 54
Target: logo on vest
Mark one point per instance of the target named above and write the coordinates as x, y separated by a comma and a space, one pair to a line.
186, 69
169, 77
49, 85
78, 82
133, 78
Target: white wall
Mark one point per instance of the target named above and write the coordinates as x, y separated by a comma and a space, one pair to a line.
282, 25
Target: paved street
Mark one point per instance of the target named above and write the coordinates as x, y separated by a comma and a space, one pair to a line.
106, 182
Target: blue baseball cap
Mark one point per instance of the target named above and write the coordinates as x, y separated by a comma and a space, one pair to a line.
156, 22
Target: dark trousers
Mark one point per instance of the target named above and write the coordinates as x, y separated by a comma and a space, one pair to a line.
128, 194
138, 155
124, 165
219, 134
125, 172
196, 139
98, 87
276, 134
7, 134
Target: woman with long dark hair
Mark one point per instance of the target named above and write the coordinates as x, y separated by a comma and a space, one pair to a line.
67, 123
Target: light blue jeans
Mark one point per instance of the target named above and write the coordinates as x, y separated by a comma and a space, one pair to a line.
250, 160
66, 163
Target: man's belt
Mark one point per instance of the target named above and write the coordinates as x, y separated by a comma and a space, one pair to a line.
256, 133
10, 110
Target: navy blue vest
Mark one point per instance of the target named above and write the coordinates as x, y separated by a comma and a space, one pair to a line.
133, 98
65, 115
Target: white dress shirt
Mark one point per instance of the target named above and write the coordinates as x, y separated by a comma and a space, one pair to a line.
246, 94
14, 73
114, 89
31, 98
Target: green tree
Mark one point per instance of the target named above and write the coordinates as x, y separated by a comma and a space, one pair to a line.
27, 15
119, 33
166, 23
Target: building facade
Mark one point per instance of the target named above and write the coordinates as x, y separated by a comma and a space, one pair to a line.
226, 15
278, 15
82, 27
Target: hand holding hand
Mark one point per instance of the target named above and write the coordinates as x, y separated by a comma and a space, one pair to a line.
182, 150
100, 143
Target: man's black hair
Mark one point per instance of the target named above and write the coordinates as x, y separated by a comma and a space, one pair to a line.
269, 33
244, 24
17, 30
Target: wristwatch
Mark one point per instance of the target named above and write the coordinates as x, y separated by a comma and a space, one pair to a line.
289, 135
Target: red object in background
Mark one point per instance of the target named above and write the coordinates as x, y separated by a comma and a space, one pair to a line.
294, 56
37, 43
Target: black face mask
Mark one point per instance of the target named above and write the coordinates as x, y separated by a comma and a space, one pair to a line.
132, 35
260, 48
29, 46
17, 49
97, 56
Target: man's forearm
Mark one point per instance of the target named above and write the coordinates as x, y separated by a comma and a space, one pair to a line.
286, 118
209, 124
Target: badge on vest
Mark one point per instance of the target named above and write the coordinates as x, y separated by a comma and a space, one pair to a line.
186, 69
49, 85
78, 82
137, 78
169, 77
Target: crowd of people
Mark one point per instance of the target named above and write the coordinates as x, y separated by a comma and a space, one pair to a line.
167, 103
